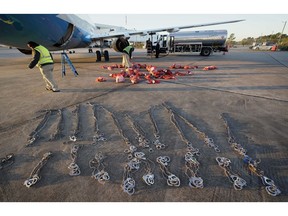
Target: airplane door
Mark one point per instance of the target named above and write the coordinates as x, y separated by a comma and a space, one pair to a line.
164, 41
65, 39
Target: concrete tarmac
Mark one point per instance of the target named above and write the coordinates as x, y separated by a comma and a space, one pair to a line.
249, 88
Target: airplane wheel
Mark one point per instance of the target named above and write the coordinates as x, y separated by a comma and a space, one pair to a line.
98, 56
106, 55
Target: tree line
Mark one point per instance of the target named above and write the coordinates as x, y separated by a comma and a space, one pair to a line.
280, 39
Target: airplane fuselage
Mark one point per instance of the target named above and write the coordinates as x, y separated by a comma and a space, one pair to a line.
46, 29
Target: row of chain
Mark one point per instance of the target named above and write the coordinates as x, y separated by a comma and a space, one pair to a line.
192, 165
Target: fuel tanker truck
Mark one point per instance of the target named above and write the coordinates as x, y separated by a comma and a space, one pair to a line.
202, 42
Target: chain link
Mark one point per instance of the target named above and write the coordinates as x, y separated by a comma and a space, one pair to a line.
128, 184
74, 137
98, 136
97, 164
117, 124
141, 138
133, 165
172, 180
252, 165
224, 163
60, 127
148, 177
35, 134
192, 167
74, 168
35, 174
157, 141
191, 163
201, 135
7, 161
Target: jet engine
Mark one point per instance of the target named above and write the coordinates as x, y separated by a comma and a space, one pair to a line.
119, 44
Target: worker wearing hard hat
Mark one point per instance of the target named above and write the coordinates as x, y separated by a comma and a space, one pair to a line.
43, 59
127, 54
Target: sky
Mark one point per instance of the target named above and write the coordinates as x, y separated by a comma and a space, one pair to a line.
255, 25
260, 18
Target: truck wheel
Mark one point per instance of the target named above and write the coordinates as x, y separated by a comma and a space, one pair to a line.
205, 51
106, 55
98, 56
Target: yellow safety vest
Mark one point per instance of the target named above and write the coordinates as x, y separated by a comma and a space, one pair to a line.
128, 48
44, 55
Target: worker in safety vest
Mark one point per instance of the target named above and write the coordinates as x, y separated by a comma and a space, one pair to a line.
43, 59
127, 54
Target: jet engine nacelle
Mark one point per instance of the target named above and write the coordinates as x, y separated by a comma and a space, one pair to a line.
119, 44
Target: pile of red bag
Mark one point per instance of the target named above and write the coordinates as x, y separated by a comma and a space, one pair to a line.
152, 74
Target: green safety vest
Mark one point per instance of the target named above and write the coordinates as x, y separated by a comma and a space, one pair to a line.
44, 55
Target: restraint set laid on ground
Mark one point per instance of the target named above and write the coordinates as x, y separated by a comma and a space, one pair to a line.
138, 160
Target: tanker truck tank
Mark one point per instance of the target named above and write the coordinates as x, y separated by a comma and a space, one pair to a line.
202, 42
207, 37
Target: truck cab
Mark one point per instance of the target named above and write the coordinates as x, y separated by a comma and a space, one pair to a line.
162, 40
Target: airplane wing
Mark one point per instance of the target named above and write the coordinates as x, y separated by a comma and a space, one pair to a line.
127, 33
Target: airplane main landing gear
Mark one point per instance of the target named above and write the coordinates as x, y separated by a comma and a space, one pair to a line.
99, 55
106, 55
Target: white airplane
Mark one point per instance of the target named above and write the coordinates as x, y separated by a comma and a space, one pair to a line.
68, 31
